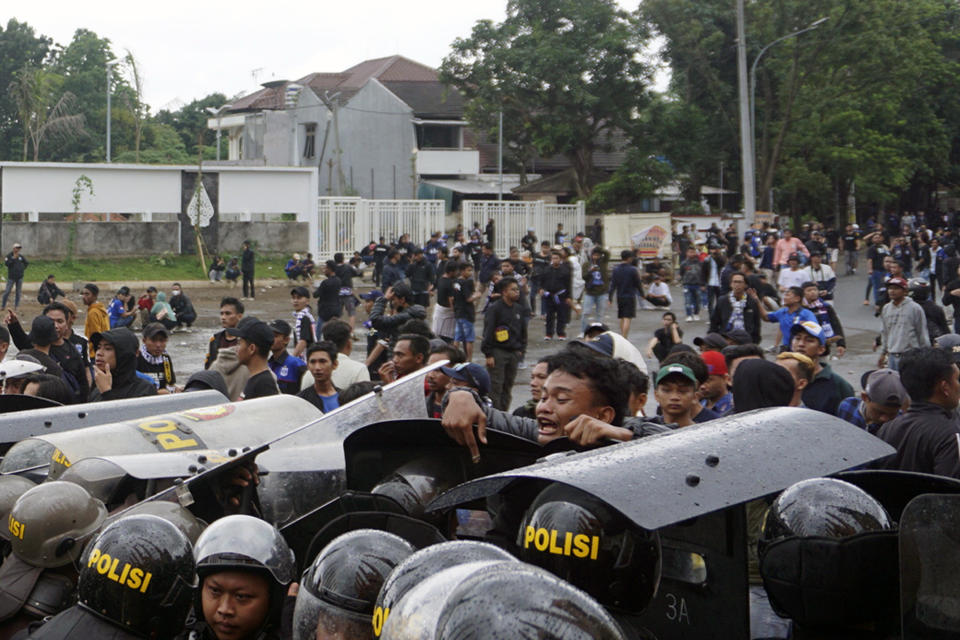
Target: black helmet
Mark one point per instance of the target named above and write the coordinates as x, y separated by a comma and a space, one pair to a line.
584, 541
416, 483
919, 289
511, 601
415, 615
100, 477
172, 512
825, 508
139, 573
425, 563
50, 523
828, 558
245, 543
338, 591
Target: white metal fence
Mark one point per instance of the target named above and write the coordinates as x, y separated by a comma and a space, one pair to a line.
511, 219
347, 224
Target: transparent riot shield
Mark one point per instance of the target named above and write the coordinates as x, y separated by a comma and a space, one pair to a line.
930, 568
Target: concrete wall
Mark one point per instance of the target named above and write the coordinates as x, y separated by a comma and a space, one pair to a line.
119, 239
94, 239
269, 237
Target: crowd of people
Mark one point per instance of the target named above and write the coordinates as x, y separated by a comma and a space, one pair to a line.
432, 303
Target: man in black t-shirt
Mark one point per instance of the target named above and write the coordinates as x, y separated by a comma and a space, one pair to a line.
254, 339
463, 310
444, 321
851, 248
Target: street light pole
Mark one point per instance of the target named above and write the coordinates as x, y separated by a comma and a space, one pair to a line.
746, 154
753, 87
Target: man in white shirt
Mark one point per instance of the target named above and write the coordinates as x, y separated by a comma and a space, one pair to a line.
348, 370
822, 274
793, 275
658, 293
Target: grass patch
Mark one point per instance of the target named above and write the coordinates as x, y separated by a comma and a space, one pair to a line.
153, 268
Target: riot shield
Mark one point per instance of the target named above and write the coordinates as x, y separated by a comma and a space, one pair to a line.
930, 568
43, 421
671, 477
14, 402
377, 450
895, 489
219, 427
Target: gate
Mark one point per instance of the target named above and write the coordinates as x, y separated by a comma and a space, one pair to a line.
511, 219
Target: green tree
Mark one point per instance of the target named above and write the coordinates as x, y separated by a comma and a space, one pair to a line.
565, 73
44, 110
191, 121
20, 46
161, 145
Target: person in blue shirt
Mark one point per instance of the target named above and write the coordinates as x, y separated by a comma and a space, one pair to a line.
287, 368
788, 315
715, 392
321, 361
120, 315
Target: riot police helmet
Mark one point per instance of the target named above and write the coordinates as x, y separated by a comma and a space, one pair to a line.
583, 540
100, 477
139, 574
523, 602
50, 523
415, 614
244, 544
416, 483
338, 592
11, 488
427, 562
822, 507
172, 512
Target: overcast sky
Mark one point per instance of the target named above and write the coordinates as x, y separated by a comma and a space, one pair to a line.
188, 50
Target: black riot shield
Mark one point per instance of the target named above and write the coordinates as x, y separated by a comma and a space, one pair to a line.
895, 489
668, 478
40, 420
930, 568
14, 402
691, 485
376, 451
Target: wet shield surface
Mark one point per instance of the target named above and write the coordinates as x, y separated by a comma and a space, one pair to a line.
668, 478
930, 568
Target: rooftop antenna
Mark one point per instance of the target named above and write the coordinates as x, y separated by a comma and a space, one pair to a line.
255, 74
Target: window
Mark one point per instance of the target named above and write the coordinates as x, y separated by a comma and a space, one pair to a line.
438, 136
310, 140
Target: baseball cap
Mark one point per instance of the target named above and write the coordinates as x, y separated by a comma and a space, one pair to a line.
281, 326
676, 370
950, 342
471, 373
300, 292
812, 328
153, 329
254, 331
794, 256
43, 331
602, 344
371, 295
716, 363
738, 336
714, 340
401, 290
596, 327
897, 282
884, 387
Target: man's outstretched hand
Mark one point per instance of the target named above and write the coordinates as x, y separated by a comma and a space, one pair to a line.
458, 419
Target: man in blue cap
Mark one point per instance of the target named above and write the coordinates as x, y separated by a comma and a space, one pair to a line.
827, 389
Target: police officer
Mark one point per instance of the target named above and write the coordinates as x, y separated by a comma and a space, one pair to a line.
137, 580
813, 535
246, 569
342, 584
48, 527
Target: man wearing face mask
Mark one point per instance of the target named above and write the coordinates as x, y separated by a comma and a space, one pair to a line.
181, 305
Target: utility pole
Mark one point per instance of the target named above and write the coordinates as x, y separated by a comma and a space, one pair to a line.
746, 131
500, 157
